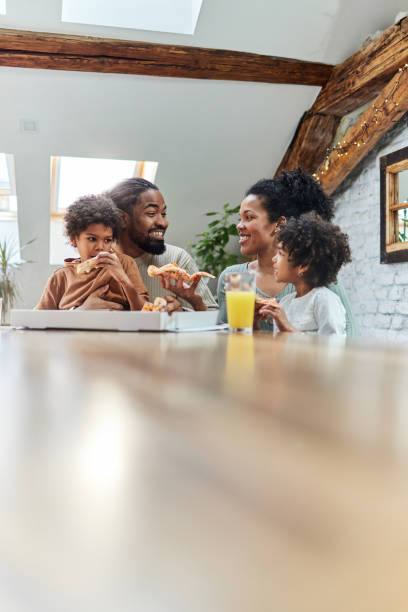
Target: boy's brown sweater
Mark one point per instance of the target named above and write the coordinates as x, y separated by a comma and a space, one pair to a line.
67, 288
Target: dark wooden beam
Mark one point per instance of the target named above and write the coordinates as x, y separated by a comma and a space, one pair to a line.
366, 132
314, 135
62, 52
363, 75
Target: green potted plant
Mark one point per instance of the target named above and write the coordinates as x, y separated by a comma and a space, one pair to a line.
211, 249
8, 265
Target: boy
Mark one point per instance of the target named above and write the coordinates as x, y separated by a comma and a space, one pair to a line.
92, 223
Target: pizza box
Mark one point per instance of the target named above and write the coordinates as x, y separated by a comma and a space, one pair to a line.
114, 320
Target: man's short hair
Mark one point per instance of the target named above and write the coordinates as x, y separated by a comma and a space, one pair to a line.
127, 193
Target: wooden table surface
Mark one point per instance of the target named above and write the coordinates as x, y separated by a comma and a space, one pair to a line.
202, 473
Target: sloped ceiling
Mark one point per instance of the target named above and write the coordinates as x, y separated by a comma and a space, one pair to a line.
316, 30
212, 139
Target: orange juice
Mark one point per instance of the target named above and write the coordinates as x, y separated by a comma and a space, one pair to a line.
240, 308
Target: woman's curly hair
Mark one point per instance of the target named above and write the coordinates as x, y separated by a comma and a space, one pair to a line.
291, 194
311, 241
91, 209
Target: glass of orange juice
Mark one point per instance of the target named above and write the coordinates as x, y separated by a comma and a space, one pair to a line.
240, 298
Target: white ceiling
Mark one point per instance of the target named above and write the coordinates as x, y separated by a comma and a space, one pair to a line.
318, 30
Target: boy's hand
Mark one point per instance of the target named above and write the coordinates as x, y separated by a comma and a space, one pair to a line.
279, 316
110, 261
186, 293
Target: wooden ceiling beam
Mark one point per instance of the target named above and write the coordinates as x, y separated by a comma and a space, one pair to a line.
363, 75
388, 107
314, 135
63, 52
353, 83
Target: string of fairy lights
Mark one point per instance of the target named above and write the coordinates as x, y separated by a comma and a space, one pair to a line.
342, 148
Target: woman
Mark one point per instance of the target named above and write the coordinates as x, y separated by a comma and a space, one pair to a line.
267, 205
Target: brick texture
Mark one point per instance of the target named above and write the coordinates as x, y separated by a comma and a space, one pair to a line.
378, 292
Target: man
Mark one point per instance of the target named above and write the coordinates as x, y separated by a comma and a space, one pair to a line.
144, 224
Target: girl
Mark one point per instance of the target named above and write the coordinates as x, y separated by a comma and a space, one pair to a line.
92, 223
267, 206
310, 254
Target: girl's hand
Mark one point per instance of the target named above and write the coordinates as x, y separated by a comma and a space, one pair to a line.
186, 293
279, 316
110, 262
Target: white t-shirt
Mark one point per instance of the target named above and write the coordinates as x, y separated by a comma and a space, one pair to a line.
320, 311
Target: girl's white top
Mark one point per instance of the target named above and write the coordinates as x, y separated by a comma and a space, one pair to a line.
320, 312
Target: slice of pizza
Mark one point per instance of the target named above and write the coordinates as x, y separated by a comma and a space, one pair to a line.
174, 271
261, 301
159, 305
89, 264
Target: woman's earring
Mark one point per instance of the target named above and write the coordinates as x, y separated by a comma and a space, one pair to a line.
300, 273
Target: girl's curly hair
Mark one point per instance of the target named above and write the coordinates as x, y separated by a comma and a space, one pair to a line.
291, 194
91, 209
311, 241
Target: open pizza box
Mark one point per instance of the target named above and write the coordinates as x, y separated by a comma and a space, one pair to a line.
114, 320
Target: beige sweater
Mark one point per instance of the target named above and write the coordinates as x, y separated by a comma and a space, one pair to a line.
182, 259
66, 288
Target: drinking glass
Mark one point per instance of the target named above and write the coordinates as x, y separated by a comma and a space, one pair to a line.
240, 298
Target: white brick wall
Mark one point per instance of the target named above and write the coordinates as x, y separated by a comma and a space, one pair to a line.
378, 292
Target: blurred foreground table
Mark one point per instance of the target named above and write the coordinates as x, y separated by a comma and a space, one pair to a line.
202, 473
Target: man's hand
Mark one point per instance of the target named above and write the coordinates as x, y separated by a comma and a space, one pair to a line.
279, 316
173, 305
186, 293
95, 301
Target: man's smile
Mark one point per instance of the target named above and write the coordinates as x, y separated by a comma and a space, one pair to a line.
157, 234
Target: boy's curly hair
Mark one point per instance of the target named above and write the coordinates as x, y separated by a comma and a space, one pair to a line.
91, 209
311, 241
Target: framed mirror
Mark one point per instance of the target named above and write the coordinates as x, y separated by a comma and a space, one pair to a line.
394, 206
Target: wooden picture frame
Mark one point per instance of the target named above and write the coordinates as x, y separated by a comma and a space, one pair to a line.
391, 250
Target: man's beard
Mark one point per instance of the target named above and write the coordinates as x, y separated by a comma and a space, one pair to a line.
150, 245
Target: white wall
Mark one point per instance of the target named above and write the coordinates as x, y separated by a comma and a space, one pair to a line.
212, 139
378, 292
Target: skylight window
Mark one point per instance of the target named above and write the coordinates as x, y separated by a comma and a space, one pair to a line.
3, 7
177, 16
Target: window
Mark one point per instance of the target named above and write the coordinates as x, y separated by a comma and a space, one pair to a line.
3, 7
72, 177
177, 16
8, 199
394, 206
8, 203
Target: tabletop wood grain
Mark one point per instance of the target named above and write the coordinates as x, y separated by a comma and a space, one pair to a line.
202, 472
